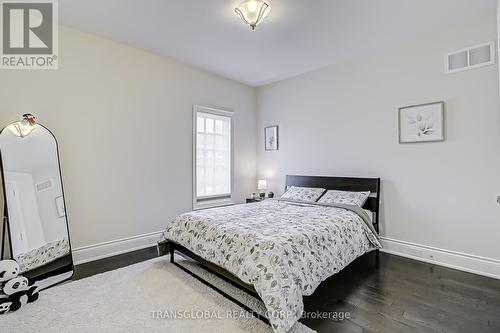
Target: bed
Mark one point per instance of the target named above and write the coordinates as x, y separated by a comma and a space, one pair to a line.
43, 255
279, 250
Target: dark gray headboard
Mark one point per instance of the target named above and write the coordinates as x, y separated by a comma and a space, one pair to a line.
343, 184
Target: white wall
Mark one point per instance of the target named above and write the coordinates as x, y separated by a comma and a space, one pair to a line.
123, 117
342, 121
54, 226
498, 34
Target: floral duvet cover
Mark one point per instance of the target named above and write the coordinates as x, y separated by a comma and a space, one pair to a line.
284, 248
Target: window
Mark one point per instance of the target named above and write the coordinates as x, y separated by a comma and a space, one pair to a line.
212, 183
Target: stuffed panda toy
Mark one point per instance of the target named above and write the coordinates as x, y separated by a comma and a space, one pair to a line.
17, 290
5, 304
20, 292
9, 269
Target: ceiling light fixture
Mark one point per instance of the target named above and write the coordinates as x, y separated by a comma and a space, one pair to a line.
252, 12
24, 127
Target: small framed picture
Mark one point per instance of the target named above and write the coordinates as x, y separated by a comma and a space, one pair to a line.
271, 137
422, 123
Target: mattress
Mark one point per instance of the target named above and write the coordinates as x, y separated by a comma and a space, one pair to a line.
43, 255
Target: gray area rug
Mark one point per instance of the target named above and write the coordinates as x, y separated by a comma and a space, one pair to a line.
144, 297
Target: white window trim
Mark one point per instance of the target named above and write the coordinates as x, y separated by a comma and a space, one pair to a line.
216, 201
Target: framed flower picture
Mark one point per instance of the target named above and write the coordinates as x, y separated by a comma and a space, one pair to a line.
271, 137
422, 123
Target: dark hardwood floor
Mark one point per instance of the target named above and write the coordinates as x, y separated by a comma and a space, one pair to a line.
107, 264
400, 295
404, 295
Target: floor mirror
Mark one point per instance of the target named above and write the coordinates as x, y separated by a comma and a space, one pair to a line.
34, 229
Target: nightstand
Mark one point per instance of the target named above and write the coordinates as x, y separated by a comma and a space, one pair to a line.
249, 200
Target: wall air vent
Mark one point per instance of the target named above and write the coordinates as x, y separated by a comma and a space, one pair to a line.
469, 58
45, 185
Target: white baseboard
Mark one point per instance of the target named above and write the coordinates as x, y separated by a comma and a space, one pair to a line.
52, 280
89, 253
456, 260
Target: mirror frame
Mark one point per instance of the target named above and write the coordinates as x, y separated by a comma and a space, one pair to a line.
48, 270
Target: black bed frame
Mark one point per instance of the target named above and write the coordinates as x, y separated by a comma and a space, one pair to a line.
329, 183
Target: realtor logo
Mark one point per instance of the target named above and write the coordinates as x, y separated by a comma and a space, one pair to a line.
29, 34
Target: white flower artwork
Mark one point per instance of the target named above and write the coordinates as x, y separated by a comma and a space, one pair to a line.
271, 138
421, 123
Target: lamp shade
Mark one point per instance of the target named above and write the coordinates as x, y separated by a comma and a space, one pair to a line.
262, 184
252, 12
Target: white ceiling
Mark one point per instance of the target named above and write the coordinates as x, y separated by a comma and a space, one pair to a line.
298, 35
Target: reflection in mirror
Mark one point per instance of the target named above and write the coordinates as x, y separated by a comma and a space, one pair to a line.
33, 192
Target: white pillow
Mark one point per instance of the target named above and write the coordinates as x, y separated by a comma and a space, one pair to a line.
303, 193
345, 197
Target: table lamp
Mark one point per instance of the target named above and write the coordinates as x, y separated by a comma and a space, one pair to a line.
262, 187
